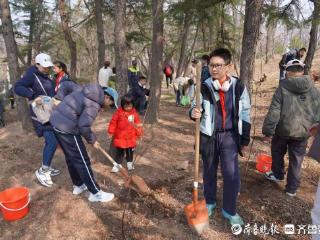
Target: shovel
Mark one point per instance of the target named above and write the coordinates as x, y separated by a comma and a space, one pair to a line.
134, 182
196, 212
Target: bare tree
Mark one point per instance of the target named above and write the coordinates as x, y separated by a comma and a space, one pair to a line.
121, 51
252, 21
271, 28
65, 20
313, 36
100, 34
184, 39
12, 54
152, 114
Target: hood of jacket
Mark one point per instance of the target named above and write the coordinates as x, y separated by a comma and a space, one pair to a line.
94, 92
299, 85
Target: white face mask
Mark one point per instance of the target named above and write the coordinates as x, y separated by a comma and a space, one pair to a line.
225, 86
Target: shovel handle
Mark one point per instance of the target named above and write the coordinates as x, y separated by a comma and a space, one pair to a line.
122, 170
197, 141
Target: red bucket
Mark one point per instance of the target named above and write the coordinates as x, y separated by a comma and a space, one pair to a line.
14, 203
264, 163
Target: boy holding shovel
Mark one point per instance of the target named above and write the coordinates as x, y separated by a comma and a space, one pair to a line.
224, 130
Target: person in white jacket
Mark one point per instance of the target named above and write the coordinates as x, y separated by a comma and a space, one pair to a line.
104, 74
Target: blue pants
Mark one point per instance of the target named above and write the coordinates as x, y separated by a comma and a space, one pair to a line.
49, 147
78, 161
222, 146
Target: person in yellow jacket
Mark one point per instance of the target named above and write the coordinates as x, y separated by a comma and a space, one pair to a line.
133, 74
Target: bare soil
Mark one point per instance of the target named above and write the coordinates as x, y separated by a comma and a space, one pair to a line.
164, 152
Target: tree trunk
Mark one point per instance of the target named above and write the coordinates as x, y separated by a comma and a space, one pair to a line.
121, 51
192, 48
64, 15
152, 114
313, 37
39, 27
271, 27
204, 39
100, 33
184, 39
12, 54
252, 21
31, 33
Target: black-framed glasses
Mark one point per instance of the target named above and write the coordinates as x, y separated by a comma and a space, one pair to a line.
217, 66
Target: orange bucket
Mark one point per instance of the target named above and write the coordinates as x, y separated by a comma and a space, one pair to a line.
14, 203
264, 163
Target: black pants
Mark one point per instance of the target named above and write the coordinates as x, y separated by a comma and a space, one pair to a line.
78, 161
221, 148
296, 150
119, 152
168, 80
12, 103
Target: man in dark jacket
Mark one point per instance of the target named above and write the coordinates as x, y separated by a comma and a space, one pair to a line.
289, 56
205, 74
294, 109
72, 120
133, 74
139, 93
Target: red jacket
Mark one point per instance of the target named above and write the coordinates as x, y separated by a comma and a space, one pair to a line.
124, 133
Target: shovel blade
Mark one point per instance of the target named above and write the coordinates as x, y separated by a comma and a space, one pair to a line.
197, 216
138, 184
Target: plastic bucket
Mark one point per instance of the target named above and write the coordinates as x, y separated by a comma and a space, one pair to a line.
14, 203
264, 163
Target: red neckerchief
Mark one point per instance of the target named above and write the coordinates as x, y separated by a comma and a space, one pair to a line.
58, 79
223, 109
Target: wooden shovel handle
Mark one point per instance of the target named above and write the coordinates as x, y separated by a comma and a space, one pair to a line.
197, 141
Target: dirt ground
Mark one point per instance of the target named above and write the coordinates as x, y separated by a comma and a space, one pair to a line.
165, 150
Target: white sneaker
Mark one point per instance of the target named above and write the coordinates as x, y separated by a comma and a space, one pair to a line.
44, 177
114, 169
79, 189
130, 166
101, 196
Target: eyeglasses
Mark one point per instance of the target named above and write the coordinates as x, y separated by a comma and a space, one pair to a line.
217, 66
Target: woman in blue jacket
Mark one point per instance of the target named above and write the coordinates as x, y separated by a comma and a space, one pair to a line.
34, 83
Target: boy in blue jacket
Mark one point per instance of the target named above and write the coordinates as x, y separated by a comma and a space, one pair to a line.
225, 130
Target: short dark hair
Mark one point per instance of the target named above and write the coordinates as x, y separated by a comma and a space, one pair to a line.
195, 61
106, 64
295, 68
126, 100
190, 82
206, 58
142, 78
224, 53
303, 49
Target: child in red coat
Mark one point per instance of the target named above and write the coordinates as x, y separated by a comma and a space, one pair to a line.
126, 128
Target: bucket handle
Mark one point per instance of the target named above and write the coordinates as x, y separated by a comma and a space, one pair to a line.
19, 209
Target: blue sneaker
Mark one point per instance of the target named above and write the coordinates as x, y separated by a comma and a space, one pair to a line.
235, 219
211, 208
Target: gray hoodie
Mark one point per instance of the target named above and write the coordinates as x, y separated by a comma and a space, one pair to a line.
76, 113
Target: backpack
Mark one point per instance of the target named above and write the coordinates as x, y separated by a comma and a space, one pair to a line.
168, 70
